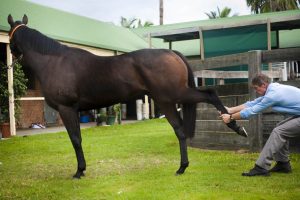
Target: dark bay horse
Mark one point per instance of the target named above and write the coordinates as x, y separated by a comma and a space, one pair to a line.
73, 80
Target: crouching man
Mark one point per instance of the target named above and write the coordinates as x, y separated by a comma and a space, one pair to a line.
283, 99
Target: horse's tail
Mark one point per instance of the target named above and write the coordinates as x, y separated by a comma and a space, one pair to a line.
189, 109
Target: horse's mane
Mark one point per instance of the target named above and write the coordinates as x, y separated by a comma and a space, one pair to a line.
33, 39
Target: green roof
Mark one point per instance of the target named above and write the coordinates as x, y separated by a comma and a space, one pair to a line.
217, 28
221, 23
69, 27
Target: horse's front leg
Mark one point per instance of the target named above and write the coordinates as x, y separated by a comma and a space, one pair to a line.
70, 118
184, 162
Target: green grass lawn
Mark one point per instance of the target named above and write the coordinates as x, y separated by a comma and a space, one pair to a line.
132, 161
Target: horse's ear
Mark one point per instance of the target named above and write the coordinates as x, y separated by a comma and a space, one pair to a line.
25, 19
10, 20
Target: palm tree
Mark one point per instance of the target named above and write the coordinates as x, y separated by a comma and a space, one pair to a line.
279, 5
146, 24
212, 15
134, 23
263, 6
225, 12
128, 23
255, 5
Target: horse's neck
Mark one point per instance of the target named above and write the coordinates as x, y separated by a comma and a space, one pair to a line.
36, 62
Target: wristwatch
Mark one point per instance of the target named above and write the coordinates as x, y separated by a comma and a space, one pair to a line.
231, 118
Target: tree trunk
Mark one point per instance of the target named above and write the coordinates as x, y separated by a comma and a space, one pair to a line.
161, 12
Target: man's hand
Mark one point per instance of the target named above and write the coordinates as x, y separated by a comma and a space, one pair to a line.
226, 118
228, 109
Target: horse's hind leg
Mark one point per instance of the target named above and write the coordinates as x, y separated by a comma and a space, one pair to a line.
192, 95
174, 119
71, 121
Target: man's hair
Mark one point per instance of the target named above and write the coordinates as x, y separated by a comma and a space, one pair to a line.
260, 79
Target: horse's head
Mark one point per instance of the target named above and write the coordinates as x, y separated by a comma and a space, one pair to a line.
14, 26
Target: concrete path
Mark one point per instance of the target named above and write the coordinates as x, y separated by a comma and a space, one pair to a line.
55, 129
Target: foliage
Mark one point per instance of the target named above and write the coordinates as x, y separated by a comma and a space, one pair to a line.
133, 161
264, 6
225, 12
19, 86
134, 23
114, 110
127, 23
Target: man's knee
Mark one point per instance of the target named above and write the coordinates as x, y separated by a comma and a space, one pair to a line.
277, 134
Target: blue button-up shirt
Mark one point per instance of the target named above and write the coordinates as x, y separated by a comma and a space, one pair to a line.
281, 98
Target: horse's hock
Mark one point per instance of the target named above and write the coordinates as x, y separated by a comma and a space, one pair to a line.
212, 133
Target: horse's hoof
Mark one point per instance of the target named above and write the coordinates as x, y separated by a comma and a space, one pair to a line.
181, 169
78, 175
179, 173
75, 177
242, 132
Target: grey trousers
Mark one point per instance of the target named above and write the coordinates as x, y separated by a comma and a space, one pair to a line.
277, 146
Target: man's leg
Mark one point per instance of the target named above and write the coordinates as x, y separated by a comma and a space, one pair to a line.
283, 154
277, 144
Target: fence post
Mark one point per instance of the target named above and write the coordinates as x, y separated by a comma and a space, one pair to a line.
255, 126
12, 119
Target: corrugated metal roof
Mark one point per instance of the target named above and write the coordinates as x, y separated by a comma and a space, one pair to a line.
69, 27
190, 30
227, 22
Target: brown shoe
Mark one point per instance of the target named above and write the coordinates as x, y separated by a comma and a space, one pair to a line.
257, 171
282, 167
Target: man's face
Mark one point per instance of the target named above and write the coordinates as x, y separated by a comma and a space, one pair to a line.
260, 89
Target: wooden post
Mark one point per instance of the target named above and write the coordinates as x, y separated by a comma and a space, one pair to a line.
269, 41
149, 40
269, 34
170, 45
201, 51
146, 104
152, 111
201, 44
255, 132
11, 99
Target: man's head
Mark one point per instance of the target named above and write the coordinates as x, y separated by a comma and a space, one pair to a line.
260, 83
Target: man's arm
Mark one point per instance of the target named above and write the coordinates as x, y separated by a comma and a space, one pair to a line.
229, 117
235, 109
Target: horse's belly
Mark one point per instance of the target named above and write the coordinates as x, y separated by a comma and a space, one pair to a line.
107, 99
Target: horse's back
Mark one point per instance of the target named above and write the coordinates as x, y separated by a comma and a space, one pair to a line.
162, 72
